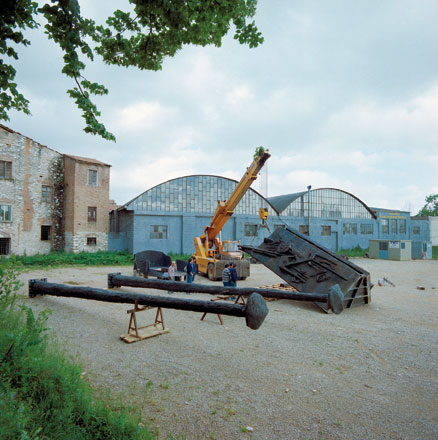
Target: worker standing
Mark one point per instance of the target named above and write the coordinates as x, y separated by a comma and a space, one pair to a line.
171, 271
189, 269
233, 275
226, 275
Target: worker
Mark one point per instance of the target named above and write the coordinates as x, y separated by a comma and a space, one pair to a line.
226, 275
233, 275
189, 269
171, 271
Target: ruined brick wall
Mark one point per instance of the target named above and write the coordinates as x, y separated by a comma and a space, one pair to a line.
80, 195
31, 164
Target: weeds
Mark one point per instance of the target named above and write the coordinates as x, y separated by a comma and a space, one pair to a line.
353, 252
42, 395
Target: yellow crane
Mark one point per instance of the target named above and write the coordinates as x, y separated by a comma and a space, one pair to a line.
211, 252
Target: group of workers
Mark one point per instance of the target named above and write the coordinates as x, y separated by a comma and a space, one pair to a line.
229, 274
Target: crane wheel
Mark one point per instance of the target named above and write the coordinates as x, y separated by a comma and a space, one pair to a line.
210, 272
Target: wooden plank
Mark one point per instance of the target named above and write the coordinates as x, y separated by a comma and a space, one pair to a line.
144, 333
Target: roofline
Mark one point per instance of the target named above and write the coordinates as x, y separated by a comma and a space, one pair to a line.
354, 197
89, 160
27, 137
195, 175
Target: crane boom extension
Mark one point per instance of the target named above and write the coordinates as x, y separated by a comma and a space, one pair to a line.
209, 248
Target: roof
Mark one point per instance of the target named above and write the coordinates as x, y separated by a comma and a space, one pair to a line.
27, 137
280, 203
87, 160
125, 206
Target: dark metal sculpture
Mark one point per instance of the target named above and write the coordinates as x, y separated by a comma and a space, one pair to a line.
156, 264
254, 311
332, 300
309, 267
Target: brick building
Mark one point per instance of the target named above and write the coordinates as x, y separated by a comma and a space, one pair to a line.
47, 197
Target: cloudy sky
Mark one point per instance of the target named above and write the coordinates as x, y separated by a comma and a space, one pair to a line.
344, 94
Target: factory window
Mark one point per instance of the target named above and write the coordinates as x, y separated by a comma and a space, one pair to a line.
402, 226
349, 229
91, 241
366, 229
5, 245
250, 230
415, 230
47, 194
393, 226
403, 245
92, 177
383, 246
385, 226
46, 232
326, 230
304, 229
5, 169
92, 214
158, 232
5, 213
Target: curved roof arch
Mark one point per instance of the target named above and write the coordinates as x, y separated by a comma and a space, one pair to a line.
325, 202
196, 193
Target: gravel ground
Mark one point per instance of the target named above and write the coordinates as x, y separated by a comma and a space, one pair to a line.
369, 373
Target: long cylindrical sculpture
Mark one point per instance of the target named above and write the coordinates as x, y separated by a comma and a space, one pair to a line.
254, 311
334, 298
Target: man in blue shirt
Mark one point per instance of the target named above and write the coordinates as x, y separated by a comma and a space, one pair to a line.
189, 269
233, 275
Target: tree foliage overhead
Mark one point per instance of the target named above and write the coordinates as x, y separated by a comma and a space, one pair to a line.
156, 29
431, 206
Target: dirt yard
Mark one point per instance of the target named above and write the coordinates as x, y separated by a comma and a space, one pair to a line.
368, 373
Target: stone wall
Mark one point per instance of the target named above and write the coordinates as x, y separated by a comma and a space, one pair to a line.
31, 163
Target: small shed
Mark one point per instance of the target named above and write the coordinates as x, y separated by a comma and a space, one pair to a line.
399, 250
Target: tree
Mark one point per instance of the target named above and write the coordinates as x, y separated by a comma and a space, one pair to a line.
431, 206
143, 38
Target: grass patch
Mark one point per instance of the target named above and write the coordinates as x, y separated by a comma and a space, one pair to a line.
357, 252
61, 259
42, 394
435, 252
65, 259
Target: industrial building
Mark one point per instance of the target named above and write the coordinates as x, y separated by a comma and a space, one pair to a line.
168, 216
48, 197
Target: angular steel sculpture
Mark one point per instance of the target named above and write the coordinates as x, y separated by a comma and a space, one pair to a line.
254, 312
309, 267
332, 300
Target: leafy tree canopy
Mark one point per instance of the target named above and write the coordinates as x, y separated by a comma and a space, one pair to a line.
156, 29
431, 206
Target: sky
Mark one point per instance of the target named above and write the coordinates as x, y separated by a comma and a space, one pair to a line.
343, 94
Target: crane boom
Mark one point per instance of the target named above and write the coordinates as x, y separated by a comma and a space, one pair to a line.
208, 247
225, 209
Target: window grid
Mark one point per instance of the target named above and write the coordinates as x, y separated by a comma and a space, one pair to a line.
349, 229
328, 203
366, 228
5, 169
91, 241
46, 232
92, 177
326, 231
250, 230
5, 213
158, 232
5, 246
47, 194
196, 194
92, 214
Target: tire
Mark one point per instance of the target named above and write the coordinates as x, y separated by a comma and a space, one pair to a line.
210, 272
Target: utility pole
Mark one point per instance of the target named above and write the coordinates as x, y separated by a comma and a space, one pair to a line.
308, 209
